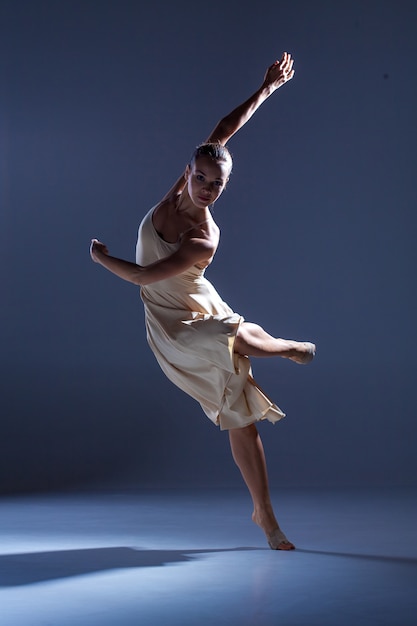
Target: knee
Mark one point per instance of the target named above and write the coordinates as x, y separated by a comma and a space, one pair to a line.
240, 342
244, 337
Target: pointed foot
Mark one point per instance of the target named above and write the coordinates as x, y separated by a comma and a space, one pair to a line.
278, 541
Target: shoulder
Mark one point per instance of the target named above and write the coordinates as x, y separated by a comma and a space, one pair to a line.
205, 235
164, 211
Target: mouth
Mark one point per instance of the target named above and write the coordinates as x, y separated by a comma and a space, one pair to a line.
206, 200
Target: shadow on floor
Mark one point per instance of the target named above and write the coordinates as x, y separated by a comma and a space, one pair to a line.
34, 567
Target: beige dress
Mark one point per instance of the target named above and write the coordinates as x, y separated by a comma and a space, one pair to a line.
191, 332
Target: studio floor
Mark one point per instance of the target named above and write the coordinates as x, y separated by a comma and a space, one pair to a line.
194, 558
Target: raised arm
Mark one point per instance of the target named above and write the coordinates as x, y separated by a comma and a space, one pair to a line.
276, 75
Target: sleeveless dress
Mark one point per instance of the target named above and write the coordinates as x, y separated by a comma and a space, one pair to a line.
191, 332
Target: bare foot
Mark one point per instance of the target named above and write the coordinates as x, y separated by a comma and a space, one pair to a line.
274, 535
278, 541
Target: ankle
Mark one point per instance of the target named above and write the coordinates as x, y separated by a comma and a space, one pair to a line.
265, 518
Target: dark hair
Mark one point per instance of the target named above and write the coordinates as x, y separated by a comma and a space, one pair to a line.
215, 151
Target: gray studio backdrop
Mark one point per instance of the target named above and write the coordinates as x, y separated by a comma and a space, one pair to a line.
101, 105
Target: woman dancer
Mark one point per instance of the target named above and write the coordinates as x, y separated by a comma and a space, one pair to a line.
201, 344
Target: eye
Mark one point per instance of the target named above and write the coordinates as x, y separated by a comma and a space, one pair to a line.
219, 183
199, 177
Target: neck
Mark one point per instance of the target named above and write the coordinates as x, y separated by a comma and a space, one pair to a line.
186, 206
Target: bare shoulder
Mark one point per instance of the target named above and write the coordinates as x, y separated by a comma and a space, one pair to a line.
165, 208
206, 230
163, 218
214, 231
204, 236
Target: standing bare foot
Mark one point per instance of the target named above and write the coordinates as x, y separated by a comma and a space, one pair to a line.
274, 535
278, 541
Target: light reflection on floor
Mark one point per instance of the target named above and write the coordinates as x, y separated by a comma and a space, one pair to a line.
194, 558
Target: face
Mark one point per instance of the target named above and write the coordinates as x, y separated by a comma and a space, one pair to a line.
206, 179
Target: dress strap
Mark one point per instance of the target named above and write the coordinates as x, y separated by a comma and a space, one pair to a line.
195, 226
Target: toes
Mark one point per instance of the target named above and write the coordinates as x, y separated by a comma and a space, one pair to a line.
286, 545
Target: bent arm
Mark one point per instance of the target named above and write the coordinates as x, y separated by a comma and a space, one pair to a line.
276, 75
191, 252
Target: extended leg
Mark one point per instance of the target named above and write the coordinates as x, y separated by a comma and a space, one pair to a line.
249, 456
253, 340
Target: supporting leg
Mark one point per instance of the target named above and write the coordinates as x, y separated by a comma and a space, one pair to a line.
249, 456
253, 340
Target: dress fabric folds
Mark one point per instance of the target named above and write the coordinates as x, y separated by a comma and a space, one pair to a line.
191, 332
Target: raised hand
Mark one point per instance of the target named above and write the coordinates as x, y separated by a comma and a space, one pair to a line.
97, 247
279, 72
